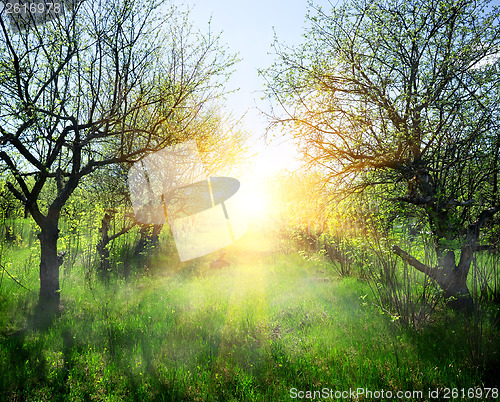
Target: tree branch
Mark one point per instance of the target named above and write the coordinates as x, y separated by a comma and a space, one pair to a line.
431, 272
414, 201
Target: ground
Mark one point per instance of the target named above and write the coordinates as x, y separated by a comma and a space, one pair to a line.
266, 328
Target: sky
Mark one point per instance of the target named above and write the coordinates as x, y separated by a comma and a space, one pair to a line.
248, 27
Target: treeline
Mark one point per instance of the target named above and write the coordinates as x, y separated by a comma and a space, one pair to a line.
87, 93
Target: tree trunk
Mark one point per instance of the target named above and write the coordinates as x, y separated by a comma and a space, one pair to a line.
106, 239
49, 296
149, 238
102, 248
451, 277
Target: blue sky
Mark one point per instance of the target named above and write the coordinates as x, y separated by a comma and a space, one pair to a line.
248, 28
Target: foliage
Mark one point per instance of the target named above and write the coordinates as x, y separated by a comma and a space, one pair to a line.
250, 333
402, 97
103, 83
10, 207
390, 92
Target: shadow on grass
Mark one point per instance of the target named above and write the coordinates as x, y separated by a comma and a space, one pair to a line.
54, 362
24, 368
468, 347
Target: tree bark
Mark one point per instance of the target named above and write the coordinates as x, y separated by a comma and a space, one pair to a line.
49, 296
149, 238
102, 248
451, 277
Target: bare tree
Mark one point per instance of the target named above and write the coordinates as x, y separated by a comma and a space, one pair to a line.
403, 95
104, 82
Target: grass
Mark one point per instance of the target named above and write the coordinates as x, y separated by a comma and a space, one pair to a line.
252, 331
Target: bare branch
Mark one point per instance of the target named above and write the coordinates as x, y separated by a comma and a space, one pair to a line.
431, 272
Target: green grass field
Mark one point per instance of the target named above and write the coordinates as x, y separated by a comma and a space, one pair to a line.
263, 329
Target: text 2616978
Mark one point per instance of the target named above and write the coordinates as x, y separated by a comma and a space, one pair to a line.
33, 7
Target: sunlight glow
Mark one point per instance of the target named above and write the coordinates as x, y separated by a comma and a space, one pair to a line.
256, 205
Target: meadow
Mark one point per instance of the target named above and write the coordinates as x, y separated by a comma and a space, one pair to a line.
270, 327
375, 273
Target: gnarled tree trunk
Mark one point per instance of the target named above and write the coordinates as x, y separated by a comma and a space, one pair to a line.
451, 277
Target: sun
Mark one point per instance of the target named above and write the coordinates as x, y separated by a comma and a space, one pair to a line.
256, 198
253, 202
256, 204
